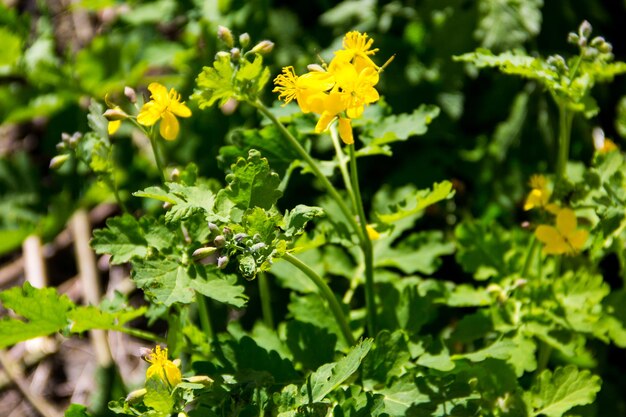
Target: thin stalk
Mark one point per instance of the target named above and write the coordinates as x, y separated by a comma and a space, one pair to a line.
266, 300
366, 246
203, 313
530, 251
140, 334
342, 160
312, 165
155, 149
327, 293
545, 350
557, 266
565, 126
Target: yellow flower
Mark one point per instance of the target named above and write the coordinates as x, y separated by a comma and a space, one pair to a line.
539, 194
357, 50
165, 106
371, 232
565, 238
608, 146
162, 367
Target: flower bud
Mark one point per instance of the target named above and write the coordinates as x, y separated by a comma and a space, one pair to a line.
257, 246
136, 395
199, 379
219, 241
585, 29
244, 39
225, 35
175, 174
315, 68
572, 38
226, 231
240, 236
235, 54
58, 161
212, 227
222, 262
605, 48
115, 114
130, 94
263, 47
202, 253
222, 56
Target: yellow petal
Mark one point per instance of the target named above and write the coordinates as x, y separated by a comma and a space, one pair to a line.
566, 221
554, 243
533, 200
578, 239
324, 121
371, 232
345, 131
113, 126
179, 109
159, 93
148, 115
169, 126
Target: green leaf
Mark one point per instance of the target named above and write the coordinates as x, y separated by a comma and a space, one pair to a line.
252, 183
330, 376
158, 396
185, 200
417, 202
124, 239
167, 281
552, 395
91, 317
418, 253
388, 358
295, 220
77, 410
482, 249
215, 83
301, 336
401, 395
400, 127
506, 24
42, 312
11, 47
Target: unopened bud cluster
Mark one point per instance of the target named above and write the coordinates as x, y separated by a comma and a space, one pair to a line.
590, 48
224, 245
236, 52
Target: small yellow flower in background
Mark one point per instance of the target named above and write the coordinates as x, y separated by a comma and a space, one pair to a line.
371, 232
163, 106
339, 92
539, 194
565, 238
162, 367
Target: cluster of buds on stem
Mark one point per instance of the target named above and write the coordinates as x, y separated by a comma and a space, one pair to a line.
590, 48
224, 245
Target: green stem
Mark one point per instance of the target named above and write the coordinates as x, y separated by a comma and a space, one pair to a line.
342, 160
529, 255
557, 266
312, 164
266, 300
140, 334
327, 293
545, 350
366, 246
565, 126
157, 159
203, 313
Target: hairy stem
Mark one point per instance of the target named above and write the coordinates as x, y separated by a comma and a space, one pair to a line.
366, 246
155, 150
203, 313
140, 334
327, 293
266, 300
565, 127
342, 160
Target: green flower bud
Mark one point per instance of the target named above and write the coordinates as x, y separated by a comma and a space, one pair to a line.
202, 253
244, 40
585, 29
225, 35
58, 161
263, 47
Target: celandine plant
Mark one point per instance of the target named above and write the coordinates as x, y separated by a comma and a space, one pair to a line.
365, 330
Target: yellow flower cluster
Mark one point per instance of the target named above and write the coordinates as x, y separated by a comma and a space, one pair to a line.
338, 92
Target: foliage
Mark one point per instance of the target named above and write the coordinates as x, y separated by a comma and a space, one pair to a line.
374, 250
